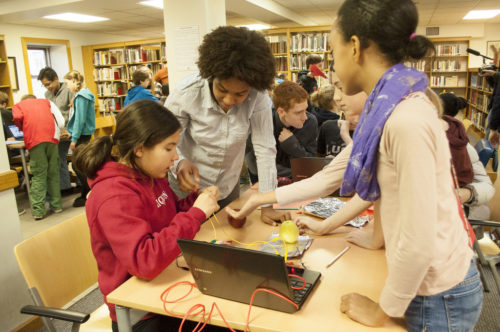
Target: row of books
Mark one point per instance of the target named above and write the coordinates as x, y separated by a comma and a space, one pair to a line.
298, 62
111, 73
317, 42
447, 81
110, 104
449, 65
281, 63
129, 55
451, 49
479, 100
277, 43
421, 65
478, 118
479, 82
107, 89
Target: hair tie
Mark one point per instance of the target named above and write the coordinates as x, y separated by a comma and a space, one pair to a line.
413, 35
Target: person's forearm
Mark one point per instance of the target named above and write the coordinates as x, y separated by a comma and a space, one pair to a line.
350, 210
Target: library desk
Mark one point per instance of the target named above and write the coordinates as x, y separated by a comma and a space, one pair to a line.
358, 270
19, 145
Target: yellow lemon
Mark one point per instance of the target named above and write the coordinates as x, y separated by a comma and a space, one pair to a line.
289, 232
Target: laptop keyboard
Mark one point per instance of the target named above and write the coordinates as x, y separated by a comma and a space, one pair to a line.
299, 294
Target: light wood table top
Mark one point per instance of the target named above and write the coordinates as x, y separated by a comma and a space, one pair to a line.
358, 270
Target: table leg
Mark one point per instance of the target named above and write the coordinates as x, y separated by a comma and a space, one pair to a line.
123, 319
26, 175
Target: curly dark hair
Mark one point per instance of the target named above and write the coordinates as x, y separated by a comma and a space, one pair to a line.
237, 52
47, 73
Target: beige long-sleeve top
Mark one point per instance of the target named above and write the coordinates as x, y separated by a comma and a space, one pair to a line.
426, 244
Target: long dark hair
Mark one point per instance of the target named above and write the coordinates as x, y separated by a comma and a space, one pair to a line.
390, 24
144, 122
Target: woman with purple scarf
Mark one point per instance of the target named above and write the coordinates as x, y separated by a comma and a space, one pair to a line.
400, 162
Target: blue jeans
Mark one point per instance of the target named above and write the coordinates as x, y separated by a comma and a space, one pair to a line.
456, 309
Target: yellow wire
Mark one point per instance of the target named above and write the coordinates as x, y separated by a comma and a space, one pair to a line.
248, 244
213, 226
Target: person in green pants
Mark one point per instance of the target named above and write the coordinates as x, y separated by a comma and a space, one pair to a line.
41, 121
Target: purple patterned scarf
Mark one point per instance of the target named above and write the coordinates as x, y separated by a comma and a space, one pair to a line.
361, 173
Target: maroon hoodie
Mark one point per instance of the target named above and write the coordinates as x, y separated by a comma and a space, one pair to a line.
134, 224
457, 138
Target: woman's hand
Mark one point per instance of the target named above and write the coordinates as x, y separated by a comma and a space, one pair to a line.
252, 203
271, 216
306, 224
362, 237
362, 309
188, 176
207, 203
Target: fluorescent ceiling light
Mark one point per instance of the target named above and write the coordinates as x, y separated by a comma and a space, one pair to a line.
74, 17
254, 26
481, 14
153, 3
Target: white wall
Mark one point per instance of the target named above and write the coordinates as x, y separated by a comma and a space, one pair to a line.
13, 289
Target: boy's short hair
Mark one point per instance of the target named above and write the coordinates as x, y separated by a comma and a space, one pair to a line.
47, 73
231, 52
28, 96
313, 59
287, 94
4, 98
323, 98
141, 74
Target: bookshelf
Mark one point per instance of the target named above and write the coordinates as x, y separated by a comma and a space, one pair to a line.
5, 85
108, 69
478, 98
448, 68
291, 46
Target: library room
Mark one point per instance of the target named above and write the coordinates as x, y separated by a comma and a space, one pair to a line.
162, 158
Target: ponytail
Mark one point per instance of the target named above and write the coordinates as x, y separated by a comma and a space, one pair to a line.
418, 47
89, 158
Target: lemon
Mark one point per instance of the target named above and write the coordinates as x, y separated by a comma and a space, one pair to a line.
289, 232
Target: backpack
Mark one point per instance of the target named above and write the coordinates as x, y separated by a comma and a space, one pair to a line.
307, 82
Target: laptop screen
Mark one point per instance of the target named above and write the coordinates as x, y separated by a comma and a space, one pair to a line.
14, 130
234, 273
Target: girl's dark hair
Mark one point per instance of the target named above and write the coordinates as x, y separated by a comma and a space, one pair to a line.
142, 123
390, 24
452, 104
228, 52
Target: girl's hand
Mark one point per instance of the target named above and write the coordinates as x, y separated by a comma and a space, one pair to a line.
271, 216
212, 190
207, 203
362, 309
72, 146
306, 224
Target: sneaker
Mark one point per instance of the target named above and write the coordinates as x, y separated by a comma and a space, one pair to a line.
21, 212
79, 202
56, 210
38, 217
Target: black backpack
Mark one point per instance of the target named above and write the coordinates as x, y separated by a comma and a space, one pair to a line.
307, 82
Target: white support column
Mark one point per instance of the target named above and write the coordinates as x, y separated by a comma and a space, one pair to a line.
186, 22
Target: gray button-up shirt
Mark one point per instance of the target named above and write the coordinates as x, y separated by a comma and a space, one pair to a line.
215, 141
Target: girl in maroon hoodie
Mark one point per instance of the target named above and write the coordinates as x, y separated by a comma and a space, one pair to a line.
133, 215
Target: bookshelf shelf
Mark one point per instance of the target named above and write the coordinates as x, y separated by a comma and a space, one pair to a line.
291, 46
108, 69
478, 98
4, 72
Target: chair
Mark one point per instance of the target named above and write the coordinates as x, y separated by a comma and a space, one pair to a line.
59, 267
489, 260
306, 167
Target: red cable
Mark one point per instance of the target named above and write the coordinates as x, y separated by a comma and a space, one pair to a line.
201, 307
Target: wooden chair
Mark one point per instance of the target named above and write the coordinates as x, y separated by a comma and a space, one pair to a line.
59, 267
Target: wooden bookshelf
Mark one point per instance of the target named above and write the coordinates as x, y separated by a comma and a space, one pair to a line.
4, 72
291, 46
478, 98
108, 69
448, 68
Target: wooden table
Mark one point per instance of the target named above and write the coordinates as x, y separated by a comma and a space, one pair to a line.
21, 147
358, 270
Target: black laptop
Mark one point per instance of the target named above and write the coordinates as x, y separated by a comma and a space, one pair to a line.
234, 273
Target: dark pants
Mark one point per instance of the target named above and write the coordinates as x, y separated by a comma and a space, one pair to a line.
167, 324
84, 139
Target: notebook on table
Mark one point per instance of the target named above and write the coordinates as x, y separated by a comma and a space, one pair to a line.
16, 133
234, 273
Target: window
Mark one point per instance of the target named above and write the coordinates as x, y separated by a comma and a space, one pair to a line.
38, 57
